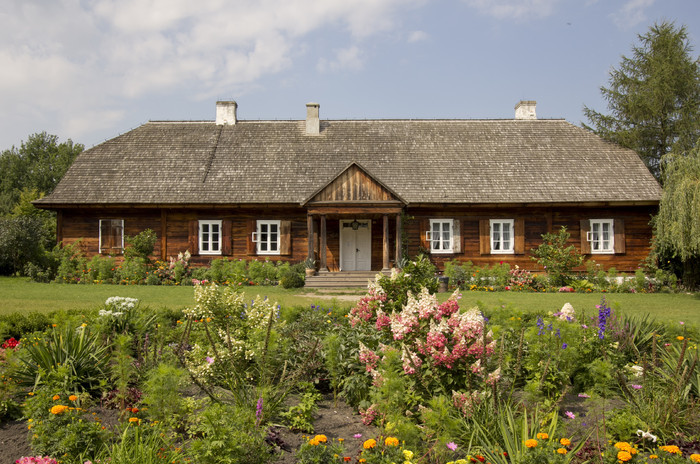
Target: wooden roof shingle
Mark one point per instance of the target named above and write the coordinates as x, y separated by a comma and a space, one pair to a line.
423, 161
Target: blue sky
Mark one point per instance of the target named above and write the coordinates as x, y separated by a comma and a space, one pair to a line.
92, 69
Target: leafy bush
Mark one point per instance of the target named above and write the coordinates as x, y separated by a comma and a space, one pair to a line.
140, 246
228, 435
21, 242
556, 257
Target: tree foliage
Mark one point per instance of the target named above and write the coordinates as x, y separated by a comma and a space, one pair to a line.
556, 257
653, 97
37, 165
677, 226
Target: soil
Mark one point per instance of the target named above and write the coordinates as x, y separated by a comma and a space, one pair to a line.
333, 419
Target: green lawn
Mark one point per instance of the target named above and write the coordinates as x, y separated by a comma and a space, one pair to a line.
18, 294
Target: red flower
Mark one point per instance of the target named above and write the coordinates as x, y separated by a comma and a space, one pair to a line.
10, 343
480, 458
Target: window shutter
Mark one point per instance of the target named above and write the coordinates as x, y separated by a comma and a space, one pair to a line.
484, 237
456, 236
226, 237
519, 233
106, 242
285, 237
251, 226
193, 238
619, 230
424, 227
585, 244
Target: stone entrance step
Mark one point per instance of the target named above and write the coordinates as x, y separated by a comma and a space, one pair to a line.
342, 279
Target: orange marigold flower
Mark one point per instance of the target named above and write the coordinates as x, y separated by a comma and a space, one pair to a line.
391, 441
347, 459
623, 446
542, 436
531, 443
562, 451
653, 456
59, 409
134, 410
565, 442
695, 457
56, 397
313, 442
623, 456
369, 444
321, 438
673, 449
72, 397
134, 419
680, 338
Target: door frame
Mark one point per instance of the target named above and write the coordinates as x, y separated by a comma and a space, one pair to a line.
369, 241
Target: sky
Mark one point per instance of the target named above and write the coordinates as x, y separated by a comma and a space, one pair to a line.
89, 70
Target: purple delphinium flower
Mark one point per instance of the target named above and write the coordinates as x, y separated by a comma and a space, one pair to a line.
540, 326
258, 411
603, 315
564, 346
452, 445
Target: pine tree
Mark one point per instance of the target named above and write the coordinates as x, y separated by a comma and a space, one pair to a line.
653, 97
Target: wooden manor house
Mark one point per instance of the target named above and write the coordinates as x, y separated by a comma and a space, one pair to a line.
358, 195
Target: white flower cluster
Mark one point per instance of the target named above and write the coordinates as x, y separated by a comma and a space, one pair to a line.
634, 370
567, 313
121, 303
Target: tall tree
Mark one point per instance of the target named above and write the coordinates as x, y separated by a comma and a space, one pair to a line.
653, 97
37, 165
677, 226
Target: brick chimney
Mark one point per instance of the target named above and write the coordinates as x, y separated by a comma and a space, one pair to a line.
313, 125
525, 109
226, 113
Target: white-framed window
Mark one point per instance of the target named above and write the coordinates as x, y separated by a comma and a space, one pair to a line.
112, 236
440, 236
602, 236
267, 237
502, 236
210, 237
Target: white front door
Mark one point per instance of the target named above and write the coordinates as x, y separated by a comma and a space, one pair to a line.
355, 245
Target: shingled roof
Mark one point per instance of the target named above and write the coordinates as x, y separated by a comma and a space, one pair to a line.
422, 161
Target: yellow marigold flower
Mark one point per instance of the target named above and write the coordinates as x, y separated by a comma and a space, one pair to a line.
72, 397
133, 419
461, 461
408, 455
673, 449
362, 461
369, 444
542, 436
623, 446
562, 451
565, 442
695, 457
653, 456
391, 441
624, 456
58, 409
531, 443
321, 438
56, 397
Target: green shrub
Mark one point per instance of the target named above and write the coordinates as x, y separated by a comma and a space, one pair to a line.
262, 272
557, 258
162, 393
141, 444
228, 435
140, 246
131, 271
18, 325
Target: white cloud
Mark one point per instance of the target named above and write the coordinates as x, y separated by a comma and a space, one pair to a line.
77, 64
514, 9
345, 59
417, 36
632, 13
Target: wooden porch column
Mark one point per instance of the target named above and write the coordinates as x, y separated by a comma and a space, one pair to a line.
310, 236
322, 250
163, 234
385, 238
398, 256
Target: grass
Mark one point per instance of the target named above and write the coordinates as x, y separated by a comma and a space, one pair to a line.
18, 294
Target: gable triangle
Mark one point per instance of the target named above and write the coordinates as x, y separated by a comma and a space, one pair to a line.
354, 184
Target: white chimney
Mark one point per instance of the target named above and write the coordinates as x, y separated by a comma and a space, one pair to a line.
525, 109
313, 125
226, 113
